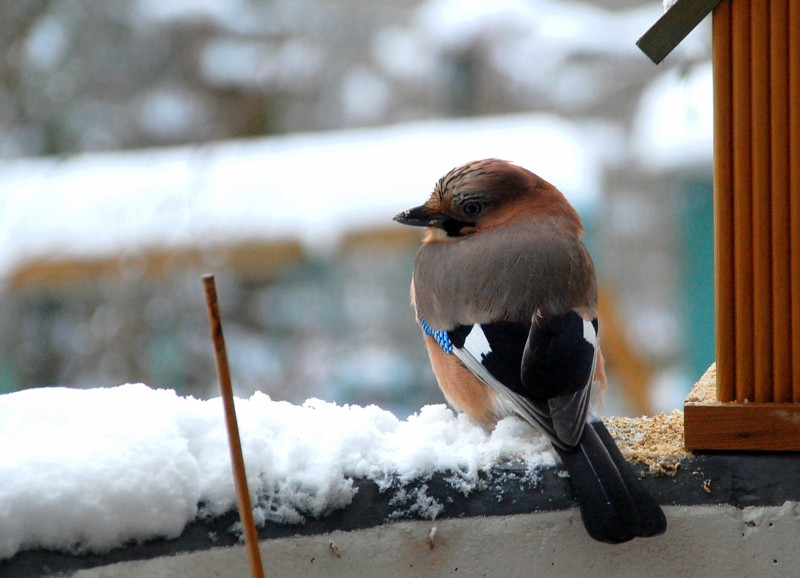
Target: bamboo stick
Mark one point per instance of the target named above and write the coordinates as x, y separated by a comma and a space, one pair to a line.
742, 200
723, 204
234, 442
779, 175
761, 193
794, 185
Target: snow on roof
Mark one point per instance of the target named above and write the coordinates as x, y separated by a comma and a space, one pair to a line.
674, 125
312, 186
565, 27
89, 470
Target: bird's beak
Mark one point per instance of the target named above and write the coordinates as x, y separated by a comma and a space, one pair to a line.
420, 217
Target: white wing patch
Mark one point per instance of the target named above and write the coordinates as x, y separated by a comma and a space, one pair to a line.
476, 343
589, 334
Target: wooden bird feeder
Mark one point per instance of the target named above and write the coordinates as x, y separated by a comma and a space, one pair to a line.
751, 399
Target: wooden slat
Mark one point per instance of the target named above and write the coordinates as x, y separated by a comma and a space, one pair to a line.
673, 26
794, 184
742, 200
761, 193
723, 203
779, 175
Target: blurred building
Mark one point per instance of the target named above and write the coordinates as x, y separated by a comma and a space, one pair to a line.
86, 77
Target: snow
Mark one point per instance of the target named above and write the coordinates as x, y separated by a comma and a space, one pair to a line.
170, 112
46, 43
556, 52
674, 124
314, 187
293, 64
214, 10
90, 470
365, 96
561, 28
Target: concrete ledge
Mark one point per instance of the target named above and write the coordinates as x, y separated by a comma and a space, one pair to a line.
533, 519
702, 541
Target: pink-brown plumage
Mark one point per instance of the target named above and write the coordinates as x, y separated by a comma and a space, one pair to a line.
503, 248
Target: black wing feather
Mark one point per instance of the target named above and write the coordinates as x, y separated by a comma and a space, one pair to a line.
544, 373
558, 358
558, 368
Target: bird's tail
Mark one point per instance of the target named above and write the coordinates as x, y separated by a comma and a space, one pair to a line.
614, 505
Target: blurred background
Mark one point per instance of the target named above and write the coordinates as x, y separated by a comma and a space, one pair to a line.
270, 142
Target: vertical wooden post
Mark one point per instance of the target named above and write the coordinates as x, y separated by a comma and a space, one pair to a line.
779, 175
761, 193
742, 200
723, 203
794, 186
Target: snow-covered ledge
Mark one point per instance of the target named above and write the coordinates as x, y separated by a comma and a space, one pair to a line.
116, 475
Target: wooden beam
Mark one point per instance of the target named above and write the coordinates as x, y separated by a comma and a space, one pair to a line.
673, 27
743, 427
713, 425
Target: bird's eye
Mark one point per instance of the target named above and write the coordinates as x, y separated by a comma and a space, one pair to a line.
473, 208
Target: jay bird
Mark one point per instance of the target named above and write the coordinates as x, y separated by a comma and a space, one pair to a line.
505, 293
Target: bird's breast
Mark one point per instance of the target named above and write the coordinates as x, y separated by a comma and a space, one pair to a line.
503, 275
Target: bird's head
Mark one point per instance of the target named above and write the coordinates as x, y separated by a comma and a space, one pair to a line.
486, 194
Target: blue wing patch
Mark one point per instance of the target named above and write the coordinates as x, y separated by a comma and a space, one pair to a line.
441, 337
